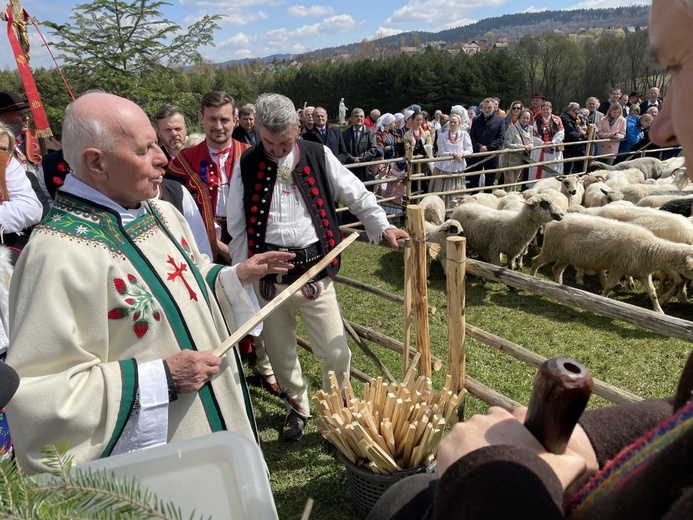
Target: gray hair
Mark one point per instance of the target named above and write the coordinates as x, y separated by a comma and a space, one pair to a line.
573, 106
81, 132
4, 130
246, 110
357, 111
275, 113
489, 100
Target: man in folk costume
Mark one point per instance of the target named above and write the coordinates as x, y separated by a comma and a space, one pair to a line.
14, 112
207, 168
289, 188
548, 129
129, 309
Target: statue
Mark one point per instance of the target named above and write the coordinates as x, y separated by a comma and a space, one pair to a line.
342, 112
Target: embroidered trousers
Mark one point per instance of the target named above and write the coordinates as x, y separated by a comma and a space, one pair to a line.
322, 320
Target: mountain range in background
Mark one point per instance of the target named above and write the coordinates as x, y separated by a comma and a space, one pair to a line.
510, 26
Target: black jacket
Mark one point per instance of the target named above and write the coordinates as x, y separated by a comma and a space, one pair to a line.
333, 140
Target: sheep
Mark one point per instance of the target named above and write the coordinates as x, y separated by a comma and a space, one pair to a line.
485, 199
600, 194
513, 201
436, 236
434, 209
678, 206
618, 178
651, 167
672, 165
594, 243
636, 192
568, 185
655, 201
492, 232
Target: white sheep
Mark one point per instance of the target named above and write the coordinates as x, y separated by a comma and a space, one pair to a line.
600, 194
672, 165
651, 167
489, 200
568, 185
436, 237
595, 243
492, 232
619, 178
636, 192
512, 201
655, 201
434, 209
556, 196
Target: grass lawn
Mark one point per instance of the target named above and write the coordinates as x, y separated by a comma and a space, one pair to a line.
634, 359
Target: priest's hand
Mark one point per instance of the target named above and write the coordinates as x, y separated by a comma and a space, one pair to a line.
257, 266
191, 369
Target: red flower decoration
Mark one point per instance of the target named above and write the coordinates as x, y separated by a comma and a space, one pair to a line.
258, 187
251, 231
262, 165
311, 181
320, 203
331, 242
250, 253
62, 167
119, 284
251, 243
131, 278
260, 175
329, 234
306, 170
129, 301
335, 261
156, 315
117, 314
256, 197
57, 181
140, 328
253, 220
253, 209
323, 213
314, 192
325, 222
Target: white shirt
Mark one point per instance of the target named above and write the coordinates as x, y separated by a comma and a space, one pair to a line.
23, 208
223, 190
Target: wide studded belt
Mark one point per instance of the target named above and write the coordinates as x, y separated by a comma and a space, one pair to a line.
306, 257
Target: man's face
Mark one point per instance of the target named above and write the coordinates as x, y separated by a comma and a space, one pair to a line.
487, 109
615, 95
308, 116
134, 170
218, 124
235, 117
319, 117
646, 121
654, 94
15, 119
671, 41
357, 120
172, 132
535, 102
278, 145
591, 105
247, 122
545, 111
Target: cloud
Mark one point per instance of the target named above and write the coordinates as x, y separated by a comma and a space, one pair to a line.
439, 14
299, 11
602, 4
384, 32
221, 4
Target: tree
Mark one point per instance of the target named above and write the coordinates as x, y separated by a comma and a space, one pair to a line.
115, 44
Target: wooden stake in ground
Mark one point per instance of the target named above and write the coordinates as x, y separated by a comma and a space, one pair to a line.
417, 232
253, 322
456, 271
407, 305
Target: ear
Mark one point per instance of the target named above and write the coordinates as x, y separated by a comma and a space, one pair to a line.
93, 160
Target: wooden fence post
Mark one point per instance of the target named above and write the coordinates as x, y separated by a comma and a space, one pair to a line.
417, 232
456, 271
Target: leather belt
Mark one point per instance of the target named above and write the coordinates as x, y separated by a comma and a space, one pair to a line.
305, 258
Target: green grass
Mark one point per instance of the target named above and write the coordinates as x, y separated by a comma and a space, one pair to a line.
634, 359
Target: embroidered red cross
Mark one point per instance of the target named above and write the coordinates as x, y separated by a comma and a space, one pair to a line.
178, 272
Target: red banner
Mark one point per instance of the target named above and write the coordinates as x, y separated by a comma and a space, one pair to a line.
32, 94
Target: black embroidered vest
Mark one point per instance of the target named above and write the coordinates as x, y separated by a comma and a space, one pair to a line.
259, 174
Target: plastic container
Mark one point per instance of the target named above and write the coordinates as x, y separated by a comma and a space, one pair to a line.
222, 475
367, 487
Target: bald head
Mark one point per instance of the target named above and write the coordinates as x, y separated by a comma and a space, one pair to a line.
111, 146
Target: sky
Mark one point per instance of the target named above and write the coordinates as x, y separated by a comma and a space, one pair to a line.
259, 28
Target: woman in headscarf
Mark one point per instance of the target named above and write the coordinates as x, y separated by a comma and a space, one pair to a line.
457, 144
385, 135
464, 116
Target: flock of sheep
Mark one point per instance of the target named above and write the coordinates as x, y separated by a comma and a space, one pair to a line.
630, 220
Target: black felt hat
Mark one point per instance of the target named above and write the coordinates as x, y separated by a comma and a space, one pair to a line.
9, 382
9, 102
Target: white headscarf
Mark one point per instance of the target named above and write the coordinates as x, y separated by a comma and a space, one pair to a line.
384, 120
460, 111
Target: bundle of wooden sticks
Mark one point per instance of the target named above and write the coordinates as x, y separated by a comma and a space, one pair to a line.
394, 427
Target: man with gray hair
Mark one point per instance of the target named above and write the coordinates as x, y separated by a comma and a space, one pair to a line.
246, 132
129, 310
574, 133
288, 189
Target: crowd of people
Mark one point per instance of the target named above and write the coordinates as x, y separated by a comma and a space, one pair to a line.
141, 293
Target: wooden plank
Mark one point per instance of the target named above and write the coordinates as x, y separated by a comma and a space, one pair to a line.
455, 283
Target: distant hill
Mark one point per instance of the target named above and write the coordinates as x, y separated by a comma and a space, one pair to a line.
266, 59
514, 26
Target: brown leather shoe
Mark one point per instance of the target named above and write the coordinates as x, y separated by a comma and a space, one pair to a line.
270, 384
293, 426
